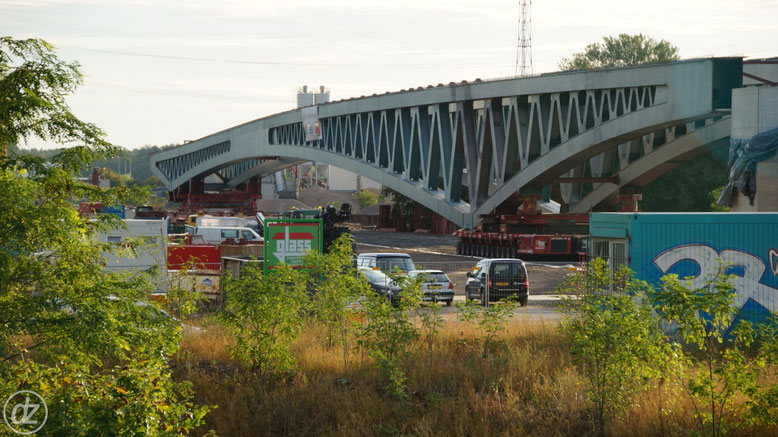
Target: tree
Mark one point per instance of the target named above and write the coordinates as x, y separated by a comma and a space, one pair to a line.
338, 286
621, 51
365, 198
264, 313
404, 206
489, 321
389, 331
688, 187
33, 87
79, 336
613, 337
704, 320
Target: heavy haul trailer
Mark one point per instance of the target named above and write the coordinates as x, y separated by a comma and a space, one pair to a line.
562, 236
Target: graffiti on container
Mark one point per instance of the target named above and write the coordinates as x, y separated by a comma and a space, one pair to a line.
773, 258
747, 269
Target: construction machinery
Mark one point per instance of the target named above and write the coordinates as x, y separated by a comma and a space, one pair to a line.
528, 234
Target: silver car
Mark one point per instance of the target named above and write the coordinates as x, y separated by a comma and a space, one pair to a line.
436, 285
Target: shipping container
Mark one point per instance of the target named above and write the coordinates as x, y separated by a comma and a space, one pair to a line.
693, 245
152, 234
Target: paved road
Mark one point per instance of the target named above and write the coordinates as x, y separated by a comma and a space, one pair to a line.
539, 308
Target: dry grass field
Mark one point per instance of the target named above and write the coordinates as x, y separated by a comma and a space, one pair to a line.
528, 385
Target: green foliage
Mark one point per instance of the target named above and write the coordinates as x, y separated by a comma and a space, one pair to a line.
402, 204
713, 196
613, 336
337, 287
489, 320
365, 198
264, 314
431, 322
687, 187
135, 399
33, 86
135, 161
69, 328
116, 178
388, 333
621, 51
704, 322
762, 399
182, 294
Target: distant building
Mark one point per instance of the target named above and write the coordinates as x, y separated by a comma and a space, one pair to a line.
284, 184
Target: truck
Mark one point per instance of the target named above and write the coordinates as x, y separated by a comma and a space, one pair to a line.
330, 216
147, 212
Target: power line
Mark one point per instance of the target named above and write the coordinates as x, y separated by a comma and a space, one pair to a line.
273, 63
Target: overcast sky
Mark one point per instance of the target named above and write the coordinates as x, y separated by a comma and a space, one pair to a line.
164, 71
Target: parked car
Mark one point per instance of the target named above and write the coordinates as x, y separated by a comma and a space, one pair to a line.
387, 262
382, 284
501, 278
436, 285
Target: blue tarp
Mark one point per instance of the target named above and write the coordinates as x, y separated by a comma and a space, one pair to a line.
744, 154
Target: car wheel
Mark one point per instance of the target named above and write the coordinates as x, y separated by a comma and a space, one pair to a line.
484, 301
523, 301
449, 302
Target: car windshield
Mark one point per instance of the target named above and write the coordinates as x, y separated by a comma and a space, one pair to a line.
390, 263
508, 270
434, 277
375, 276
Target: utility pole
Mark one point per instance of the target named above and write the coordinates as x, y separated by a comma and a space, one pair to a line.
524, 47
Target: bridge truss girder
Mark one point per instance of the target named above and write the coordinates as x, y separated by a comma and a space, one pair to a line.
464, 149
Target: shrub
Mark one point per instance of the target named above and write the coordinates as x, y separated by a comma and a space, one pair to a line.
614, 338
264, 313
704, 320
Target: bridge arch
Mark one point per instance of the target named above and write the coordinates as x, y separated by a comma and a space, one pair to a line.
463, 149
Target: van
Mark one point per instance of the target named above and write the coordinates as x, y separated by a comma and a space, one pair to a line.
217, 234
387, 262
499, 279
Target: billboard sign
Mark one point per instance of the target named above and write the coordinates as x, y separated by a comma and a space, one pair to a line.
311, 124
288, 240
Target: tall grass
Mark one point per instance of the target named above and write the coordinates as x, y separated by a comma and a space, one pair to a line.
527, 385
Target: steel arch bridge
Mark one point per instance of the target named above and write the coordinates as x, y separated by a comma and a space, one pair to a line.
465, 148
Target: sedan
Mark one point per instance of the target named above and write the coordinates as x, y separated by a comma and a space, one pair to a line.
382, 284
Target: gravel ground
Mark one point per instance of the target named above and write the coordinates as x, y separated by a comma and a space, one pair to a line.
439, 252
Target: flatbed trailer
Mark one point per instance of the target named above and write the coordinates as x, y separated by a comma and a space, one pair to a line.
562, 236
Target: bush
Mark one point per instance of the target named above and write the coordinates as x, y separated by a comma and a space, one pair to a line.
365, 198
614, 338
264, 313
704, 320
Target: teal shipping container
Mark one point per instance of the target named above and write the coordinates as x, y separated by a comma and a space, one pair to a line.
693, 245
